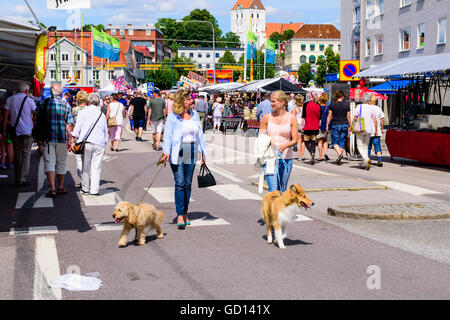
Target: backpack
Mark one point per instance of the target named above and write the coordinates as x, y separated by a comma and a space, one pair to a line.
41, 131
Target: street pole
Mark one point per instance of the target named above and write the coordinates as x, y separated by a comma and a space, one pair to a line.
251, 48
245, 57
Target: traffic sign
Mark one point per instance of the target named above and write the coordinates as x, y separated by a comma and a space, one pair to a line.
347, 69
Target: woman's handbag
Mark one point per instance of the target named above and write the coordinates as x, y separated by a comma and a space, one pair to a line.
358, 126
112, 122
79, 147
205, 178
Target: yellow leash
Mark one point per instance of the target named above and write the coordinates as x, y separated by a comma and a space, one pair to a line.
161, 164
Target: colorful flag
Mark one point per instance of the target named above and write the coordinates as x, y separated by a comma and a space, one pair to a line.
249, 55
270, 52
115, 56
121, 84
249, 37
99, 44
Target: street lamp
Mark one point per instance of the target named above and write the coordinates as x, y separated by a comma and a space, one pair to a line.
214, 41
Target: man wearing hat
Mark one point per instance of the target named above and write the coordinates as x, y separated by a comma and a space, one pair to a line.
157, 117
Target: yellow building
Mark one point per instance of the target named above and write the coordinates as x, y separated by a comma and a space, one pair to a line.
309, 43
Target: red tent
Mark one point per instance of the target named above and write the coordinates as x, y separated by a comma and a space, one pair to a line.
362, 91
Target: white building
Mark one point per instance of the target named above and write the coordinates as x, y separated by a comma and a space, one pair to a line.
204, 57
245, 11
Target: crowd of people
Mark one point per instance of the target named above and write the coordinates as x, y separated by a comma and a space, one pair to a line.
177, 122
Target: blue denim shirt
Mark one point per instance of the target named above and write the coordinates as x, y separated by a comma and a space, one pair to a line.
173, 131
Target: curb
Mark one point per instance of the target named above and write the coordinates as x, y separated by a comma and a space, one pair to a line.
347, 212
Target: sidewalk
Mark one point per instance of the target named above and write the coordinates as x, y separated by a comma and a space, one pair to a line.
408, 211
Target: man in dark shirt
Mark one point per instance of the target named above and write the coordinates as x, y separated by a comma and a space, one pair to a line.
156, 115
339, 119
138, 112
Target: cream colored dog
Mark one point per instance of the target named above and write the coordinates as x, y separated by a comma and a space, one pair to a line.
140, 218
280, 209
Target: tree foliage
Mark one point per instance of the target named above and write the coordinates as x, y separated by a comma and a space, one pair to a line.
329, 64
304, 73
168, 75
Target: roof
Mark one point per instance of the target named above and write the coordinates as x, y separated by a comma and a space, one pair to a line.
17, 51
423, 65
317, 31
271, 85
281, 27
249, 4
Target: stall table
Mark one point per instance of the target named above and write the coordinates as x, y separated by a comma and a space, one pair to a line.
426, 147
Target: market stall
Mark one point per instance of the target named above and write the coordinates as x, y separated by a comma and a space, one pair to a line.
422, 105
271, 85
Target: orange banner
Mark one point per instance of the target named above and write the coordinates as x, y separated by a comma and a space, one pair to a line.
222, 76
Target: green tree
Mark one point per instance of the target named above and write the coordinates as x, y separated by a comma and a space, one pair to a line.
169, 73
275, 37
288, 35
231, 40
99, 27
227, 59
327, 64
304, 73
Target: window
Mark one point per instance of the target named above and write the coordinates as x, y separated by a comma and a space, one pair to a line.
191, 55
312, 59
78, 57
148, 32
339, 47
303, 59
405, 40
420, 36
367, 47
207, 66
208, 55
78, 74
331, 46
113, 32
96, 74
130, 32
380, 7
303, 47
111, 74
122, 33
52, 75
65, 57
442, 34
65, 74
404, 3
379, 44
200, 55
199, 66
312, 47
322, 47
370, 9
52, 57
217, 55
183, 54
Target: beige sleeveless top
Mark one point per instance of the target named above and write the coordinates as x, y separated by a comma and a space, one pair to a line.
281, 134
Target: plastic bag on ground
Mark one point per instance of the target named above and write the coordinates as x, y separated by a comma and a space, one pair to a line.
76, 282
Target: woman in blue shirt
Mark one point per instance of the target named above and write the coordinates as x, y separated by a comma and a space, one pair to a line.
183, 142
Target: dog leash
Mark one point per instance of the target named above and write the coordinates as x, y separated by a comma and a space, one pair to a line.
161, 164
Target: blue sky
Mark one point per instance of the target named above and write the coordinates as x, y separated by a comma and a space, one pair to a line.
138, 12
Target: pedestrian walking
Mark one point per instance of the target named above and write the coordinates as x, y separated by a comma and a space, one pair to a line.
183, 143
365, 126
202, 109
157, 117
291, 104
265, 107
297, 112
92, 128
218, 113
340, 123
59, 115
21, 108
375, 141
169, 104
6, 146
138, 113
311, 124
282, 126
115, 115
322, 138
82, 103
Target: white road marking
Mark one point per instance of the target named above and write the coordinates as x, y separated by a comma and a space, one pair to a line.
108, 159
234, 192
2, 176
224, 173
106, 198
46, 269
41, 202
164, 194
32, 231
7, 265
302, 218
109, 226
209, 222
414, 190
324, 173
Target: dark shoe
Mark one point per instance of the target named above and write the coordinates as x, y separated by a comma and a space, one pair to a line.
117, 150
339, 159
95, 195
326, 158
380, 164
84, 193
51, 194
62, 191
313, 158
181, 226
137, 139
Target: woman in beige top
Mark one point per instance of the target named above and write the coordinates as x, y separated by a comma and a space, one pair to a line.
282, 126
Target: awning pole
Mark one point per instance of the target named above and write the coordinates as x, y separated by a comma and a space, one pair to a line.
34, 15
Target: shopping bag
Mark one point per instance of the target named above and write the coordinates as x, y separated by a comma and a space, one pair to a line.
205, 178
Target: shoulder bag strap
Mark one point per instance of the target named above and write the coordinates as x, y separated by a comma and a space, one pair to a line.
92, 129
20, 112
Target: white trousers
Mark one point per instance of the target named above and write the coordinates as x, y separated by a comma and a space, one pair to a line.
362, 141
92, 168
79, 158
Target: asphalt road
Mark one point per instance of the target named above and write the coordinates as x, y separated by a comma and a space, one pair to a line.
224, 255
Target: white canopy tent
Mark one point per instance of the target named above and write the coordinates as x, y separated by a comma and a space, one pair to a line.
271, 85
221, 87
407, 67
17, 51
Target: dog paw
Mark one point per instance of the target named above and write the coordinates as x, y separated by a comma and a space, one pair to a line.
282, 247
160, 236
141, 243
269, 240
122, 244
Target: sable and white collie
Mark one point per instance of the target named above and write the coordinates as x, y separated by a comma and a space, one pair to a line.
280, 209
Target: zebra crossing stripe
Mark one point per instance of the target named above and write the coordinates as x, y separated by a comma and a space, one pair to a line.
28, 200
32, 231
108, 226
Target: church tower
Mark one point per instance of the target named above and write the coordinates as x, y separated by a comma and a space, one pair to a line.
242, 13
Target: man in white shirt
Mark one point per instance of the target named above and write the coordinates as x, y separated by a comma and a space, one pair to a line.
367, 112
23, 123
375, 141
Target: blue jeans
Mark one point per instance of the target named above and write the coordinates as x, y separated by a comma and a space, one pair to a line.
376, 142
339, 135
284, 172
182, 174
